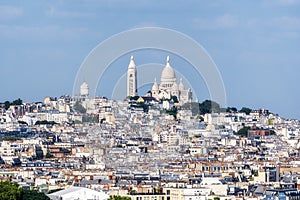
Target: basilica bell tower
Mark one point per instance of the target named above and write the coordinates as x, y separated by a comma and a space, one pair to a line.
131, 79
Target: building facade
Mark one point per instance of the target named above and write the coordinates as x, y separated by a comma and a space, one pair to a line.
168, 86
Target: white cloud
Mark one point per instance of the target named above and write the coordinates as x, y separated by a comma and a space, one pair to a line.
281, 2
226, 21
42, 33
145, 24
288, 2
220, 22
10, 12
274, 30
279, 23
285, 22
54, 12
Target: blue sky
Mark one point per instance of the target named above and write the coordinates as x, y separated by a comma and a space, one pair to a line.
255, 44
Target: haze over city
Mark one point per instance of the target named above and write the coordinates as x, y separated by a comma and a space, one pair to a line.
255, 45
149, 100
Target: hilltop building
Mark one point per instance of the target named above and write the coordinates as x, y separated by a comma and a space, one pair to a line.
168, 86
84, 90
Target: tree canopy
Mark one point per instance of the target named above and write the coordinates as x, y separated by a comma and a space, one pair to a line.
33, 195
116, 197
10, 138
22, 122
173, 112
45, 122
12, 191
133, 97
206, 106
174, 99
6, 104
79, 108
209, 106
243, 132
231, 109
246, 110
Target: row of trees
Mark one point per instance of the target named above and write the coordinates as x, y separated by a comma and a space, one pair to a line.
209, 106
10, 138
7, 104
45, 122
116, 197
12, 191
206, 106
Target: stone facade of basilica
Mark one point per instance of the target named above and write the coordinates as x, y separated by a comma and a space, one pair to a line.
168, 86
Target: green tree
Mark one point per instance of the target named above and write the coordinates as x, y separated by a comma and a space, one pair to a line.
17, 102
116, 197
49, 155
33, 195
172, 111
6, 105
175, 99
45, 122
206, 106
22, 122
193, 106
231, 109
209, 106
10, 191
200, 118
243, 132
246, 110
134, 98
272, 132
10, 138
79, 108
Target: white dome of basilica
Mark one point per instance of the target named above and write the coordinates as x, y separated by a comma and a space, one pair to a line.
84, 89
168, 73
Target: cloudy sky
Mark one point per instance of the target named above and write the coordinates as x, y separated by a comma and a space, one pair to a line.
255, 45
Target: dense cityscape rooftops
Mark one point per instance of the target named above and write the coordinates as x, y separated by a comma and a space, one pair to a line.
116, 148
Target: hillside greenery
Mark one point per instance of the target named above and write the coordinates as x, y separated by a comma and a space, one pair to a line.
12, 191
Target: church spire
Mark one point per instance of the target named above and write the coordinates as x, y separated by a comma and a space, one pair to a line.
155, 85
168, 62
131, 63
181, 86
131, 78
